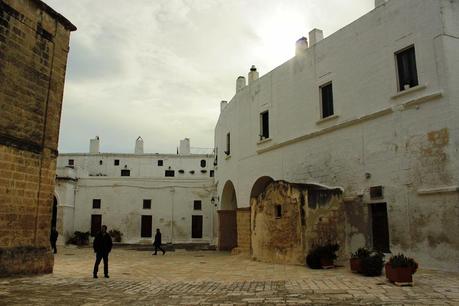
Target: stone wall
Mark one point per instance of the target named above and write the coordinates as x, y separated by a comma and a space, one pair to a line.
34, 43
243, 231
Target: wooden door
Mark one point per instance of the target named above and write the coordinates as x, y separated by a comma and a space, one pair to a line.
227, 238
146, 226
96, 224
380, 227
196, 227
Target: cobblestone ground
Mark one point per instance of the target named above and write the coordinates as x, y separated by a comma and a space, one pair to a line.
203, 278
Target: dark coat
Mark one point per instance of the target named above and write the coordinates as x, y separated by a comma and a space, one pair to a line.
102, 243
53, 236
157, 239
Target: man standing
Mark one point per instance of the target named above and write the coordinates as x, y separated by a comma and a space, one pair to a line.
102, 247
53, 239
157, 242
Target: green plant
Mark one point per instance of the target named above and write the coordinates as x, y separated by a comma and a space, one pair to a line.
321, 252
361, 253
401, 261
116, 235
79, 238
372, 264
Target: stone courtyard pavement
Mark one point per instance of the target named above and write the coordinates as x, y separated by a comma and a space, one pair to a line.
205, 278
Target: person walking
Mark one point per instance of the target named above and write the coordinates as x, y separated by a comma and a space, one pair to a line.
102, 247
157, 242
53, 239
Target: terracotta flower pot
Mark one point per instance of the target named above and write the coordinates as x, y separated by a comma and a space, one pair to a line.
355, 264
399, 274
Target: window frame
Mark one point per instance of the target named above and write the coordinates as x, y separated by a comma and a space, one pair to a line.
146, 204
197, 205
414, 79
96, 203
264, 133
322, 101
170, 172
116, 162
71, 162
160, 163
228, 144
128, 171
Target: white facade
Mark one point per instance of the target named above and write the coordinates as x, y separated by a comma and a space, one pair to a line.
83, 178
379, 135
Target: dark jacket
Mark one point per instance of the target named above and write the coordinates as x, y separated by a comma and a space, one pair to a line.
102, 243
53, 236
157, 239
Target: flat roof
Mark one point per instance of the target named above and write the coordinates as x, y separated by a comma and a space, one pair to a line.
64, 21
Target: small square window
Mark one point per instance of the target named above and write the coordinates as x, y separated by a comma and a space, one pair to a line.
326, 96
376, 192
125, 172
116, 162
96, 203
169, 173
71, 162
101, 162
406, 67
211, 173
197, 205
147, 204
264, 125
278, 211
203, 163
160, 163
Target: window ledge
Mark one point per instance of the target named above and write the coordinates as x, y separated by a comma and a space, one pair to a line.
227, 156
264, 141
327, 119
408, 91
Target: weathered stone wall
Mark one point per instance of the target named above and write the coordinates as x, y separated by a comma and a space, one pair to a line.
33, 55
243, 231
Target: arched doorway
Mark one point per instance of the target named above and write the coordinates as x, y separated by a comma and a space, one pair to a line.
227, 238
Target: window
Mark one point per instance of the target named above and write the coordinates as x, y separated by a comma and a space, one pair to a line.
228, 144
71, 162
211, 173
376, 192
96, 203
116, 162
326, 96
264, 125
278, 211
169, 173
101, 162
147, 204
203, 163
125, 172
406, 66
197, 205
160, 163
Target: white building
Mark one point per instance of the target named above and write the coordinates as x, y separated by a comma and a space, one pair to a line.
137, 193
372, 109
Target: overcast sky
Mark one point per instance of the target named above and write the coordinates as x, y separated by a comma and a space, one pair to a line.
159, 68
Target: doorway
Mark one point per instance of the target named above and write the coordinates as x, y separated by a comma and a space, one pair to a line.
380, 227
145, 227
196, 227
96, 224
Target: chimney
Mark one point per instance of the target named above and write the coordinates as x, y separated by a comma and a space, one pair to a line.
380, 2
315, 36
94, 145
301, 45
223, 104
240, 83
184, 146
253, 74
139, 146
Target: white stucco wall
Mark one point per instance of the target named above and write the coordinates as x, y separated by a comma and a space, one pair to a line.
406, 142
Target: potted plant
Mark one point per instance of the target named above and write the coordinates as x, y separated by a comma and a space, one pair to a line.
356, 259
322, 256
400, 269
116, 235
372, 264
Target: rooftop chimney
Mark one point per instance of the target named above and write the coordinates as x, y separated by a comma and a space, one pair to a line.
139, 146
223, 104
301, 45
94, 145
184, 146
253, 74
315, 36
240, 83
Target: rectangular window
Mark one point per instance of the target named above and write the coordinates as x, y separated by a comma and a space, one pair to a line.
160, 163
326, 96
147, 204
145, 227
197, 205
196, 227
376, 192
96, 203
169, 173
228, 144
96, 224
116, 162
71, 162
211, 173
406, 66
125, 172
264, 125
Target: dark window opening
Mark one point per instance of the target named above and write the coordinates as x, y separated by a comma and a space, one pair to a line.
160, 163
326, 93
196, 227
376, 192
145, 227
211, 173
380, 227
203, 163
71, 162
96, 203
197, 205
147, 204
169, 173
125, 172
264, 125
228, 144
278, 211
101, 162
116, 162
406, 66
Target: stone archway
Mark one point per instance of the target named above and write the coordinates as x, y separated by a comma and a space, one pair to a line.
260, 185
227, 238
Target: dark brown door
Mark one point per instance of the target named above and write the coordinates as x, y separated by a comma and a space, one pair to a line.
196, 227
146, 226
227, 239
96, 224
380, 227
